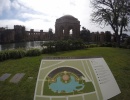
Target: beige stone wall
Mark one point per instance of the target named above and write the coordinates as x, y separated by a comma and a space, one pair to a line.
63, 26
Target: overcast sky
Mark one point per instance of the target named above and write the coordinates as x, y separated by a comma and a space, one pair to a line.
42, 14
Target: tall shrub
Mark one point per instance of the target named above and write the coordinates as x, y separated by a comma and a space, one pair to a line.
12, 54
18, 53
33, 52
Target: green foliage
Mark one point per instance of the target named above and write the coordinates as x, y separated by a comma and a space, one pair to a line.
93, 45
48, 47
128, 46
33, 52
115, 13
117, 59
12, 54
106, 45
18, 53
2, 56
126, 43
85, 35
62, 45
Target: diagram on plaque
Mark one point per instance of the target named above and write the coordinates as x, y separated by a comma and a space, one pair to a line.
67, 81
75, 79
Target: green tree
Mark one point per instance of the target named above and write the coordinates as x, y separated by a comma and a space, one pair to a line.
127, 41
85, 35
48, 47
112, 12
108, 36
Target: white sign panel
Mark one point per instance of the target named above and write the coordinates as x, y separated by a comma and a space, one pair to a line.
75, 79
106, 80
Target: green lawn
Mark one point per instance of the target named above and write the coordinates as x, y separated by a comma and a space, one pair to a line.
117, 59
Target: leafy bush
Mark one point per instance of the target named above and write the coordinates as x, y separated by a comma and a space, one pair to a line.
128, 46
86, 46
33, 52
48, 50
78, 44
62, 45
127, 42
105, 45
123, 45
2, 56
114, 44
12, 54
18, 53
93, 45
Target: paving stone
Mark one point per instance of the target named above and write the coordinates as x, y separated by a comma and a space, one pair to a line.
4, 77
17, 77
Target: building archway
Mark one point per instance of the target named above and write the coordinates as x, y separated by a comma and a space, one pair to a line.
67, 26
70, 32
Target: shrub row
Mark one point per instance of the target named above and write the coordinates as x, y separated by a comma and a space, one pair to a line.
18, 53
64, 45
125, 46
92, 45
12, 54
99, 45
106, 45
51, 47
33, 52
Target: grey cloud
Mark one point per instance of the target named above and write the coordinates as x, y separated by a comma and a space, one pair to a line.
72, 2
5, 5
46, 20
15, 4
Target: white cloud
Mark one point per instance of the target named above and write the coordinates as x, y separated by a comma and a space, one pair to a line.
38, 24
10, 23
33, 16
42, 14
15, 4
4, 6
57, 7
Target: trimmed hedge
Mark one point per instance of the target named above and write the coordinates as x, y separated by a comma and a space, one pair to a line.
93, 45
33, 52
62, 45
18, 53
12, 54
106, 45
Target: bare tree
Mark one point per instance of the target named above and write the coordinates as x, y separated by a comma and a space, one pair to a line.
115, 13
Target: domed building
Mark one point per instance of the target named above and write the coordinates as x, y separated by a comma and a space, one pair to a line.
67, 27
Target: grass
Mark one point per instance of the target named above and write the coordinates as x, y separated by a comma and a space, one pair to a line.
117, 59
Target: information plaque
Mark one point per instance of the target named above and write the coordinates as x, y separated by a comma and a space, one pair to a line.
75, 79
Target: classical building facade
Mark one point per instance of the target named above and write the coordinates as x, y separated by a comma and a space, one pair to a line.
19, 34
64, 25
102, 37
6, 35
